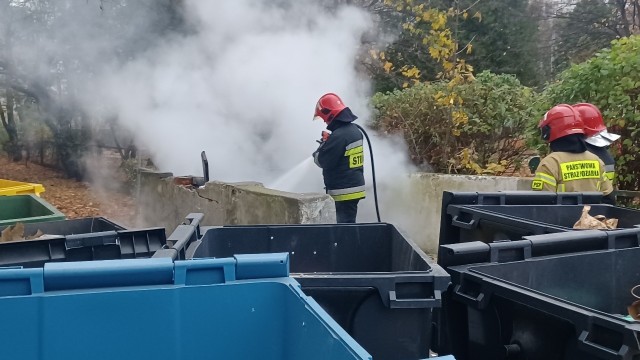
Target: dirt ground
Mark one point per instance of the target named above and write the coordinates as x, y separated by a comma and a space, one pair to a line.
74, 199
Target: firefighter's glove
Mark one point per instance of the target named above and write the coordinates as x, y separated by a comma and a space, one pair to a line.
324, 137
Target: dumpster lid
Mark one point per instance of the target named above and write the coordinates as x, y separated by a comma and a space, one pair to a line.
140, 272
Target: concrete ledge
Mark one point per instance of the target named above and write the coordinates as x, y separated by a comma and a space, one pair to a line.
414, 203
162, 203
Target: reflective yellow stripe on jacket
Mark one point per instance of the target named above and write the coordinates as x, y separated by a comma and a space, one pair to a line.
353, 193
570, 171
610, 172
355, 152
542, 178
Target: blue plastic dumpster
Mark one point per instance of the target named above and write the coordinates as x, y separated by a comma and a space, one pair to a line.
244, 307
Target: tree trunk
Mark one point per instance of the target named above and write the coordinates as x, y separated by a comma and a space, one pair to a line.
634, 15
122, 153
8, 121
624, 21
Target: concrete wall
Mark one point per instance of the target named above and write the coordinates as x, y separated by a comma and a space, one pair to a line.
162, 203
411, 203
415, 204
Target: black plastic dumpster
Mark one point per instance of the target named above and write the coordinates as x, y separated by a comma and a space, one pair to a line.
107, 245
570, 306
564, 216
489, 223
492, 217
98, 245
378, 285
70, 227
536, 246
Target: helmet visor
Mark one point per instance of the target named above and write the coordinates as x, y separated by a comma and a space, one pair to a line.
603, 139
609, 136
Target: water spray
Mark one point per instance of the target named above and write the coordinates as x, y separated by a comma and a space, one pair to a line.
373, 171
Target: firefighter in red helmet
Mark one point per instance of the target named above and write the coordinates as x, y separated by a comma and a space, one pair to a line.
569, 167
598, 138
341, 156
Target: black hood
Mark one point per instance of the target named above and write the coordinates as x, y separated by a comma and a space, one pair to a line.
345, 116
603, 153
573, 143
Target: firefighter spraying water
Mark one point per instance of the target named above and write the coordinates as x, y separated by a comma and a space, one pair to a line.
341, 157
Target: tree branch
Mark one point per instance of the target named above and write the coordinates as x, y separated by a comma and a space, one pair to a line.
466, 46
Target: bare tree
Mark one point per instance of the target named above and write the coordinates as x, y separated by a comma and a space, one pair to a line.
574, 30
45, 63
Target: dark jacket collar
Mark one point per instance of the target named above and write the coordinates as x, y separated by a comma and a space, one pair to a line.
344, 117
573, 143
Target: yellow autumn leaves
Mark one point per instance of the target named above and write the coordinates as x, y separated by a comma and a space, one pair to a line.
432, 27
467, 159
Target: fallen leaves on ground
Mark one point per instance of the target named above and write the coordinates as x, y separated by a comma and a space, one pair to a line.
74, 199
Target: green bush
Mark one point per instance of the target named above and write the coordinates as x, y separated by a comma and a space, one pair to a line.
611, 81
496, 111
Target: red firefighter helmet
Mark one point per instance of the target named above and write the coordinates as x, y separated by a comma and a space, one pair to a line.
328, 107
592, 118
594, 128
560, 121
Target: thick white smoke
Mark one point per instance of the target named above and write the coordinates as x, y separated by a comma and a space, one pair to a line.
243, 88
241, 84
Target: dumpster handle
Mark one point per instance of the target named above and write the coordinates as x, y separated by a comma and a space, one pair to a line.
102, 238
395, 303
194, 219
620, 353
476, 300
462, 224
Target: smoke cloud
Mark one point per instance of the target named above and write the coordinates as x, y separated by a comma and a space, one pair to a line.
242, 87
240, 84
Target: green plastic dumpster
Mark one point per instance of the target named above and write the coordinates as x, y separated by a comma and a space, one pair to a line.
26, 209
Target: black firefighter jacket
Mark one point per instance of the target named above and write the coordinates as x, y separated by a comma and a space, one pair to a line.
341, 158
